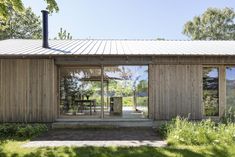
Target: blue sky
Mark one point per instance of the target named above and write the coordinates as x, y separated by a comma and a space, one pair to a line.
230, 73
125, 19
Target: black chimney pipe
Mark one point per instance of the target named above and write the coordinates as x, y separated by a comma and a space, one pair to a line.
45, 29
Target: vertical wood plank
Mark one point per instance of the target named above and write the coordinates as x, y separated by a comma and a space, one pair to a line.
178, 91
222, 90
152, 85
27, 90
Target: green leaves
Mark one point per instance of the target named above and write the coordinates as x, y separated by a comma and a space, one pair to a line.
3, 12
25, 25
7, 6
205, 132
21, 131
17, 5
63, 35
214, 24
52, 6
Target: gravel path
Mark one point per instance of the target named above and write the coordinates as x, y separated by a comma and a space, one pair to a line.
130, 137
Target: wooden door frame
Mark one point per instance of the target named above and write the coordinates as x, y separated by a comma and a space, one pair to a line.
101, 67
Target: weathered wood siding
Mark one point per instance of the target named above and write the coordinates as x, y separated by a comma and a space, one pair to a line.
176, 90
28, 87
27, 90
175, 82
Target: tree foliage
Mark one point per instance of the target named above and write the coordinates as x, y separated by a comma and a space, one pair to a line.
52, 5
25, 25
7, 6
213, 24
63, 35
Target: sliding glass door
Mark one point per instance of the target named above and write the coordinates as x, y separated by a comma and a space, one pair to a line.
80, 91
125, 92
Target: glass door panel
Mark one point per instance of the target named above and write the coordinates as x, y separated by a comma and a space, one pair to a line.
125, 92
80, 92
211, 91
230, 91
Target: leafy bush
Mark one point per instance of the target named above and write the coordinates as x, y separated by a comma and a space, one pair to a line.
229, 116
182, 131
163, 129
13, 130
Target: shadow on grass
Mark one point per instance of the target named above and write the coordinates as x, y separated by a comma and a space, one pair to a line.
120, 152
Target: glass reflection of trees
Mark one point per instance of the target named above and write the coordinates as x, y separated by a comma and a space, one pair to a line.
230, 93
211, 91
83, 83
78, 84
129, 82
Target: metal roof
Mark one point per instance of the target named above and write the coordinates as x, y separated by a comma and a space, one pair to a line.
22, 47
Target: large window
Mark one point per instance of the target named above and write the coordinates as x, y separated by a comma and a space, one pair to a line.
211, 91
125, 92
80, 91
230, 89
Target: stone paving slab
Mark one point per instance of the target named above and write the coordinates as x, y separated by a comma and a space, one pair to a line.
95, 143
122, 137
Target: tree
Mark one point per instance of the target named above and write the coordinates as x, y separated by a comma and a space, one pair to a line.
63, 35
25, 25
213, 24
7, 6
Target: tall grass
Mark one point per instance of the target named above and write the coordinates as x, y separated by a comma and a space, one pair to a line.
183, 131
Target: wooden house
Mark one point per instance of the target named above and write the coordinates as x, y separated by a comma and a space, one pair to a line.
88, 79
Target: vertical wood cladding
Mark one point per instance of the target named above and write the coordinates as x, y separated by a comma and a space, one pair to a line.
27, 90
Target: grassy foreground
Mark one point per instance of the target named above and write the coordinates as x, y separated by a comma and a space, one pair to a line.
187, 139
14, 149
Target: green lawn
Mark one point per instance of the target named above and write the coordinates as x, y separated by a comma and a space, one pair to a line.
188, 139
14, 149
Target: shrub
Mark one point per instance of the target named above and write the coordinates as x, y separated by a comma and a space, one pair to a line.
182, 131
13, 130
229, 116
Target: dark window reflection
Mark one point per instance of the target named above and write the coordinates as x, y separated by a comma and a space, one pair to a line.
211, 91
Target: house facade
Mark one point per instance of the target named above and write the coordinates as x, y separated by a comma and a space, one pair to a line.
115, 79
33, 83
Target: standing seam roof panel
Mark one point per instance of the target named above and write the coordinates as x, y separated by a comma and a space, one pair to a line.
116, 47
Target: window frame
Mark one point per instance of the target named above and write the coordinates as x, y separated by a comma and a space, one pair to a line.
101, 67
219, 95
59, 68
225, 67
